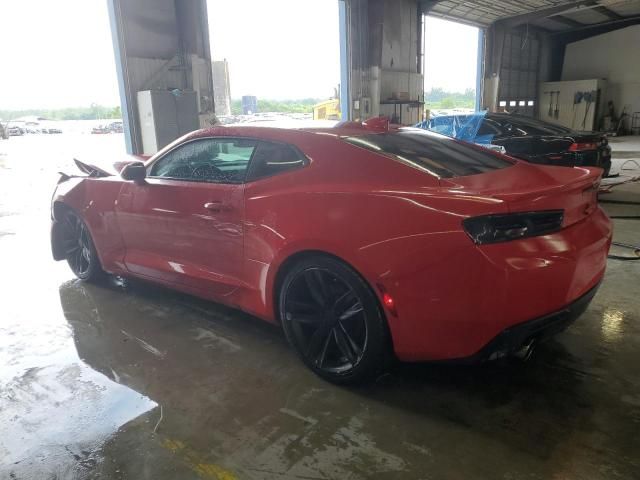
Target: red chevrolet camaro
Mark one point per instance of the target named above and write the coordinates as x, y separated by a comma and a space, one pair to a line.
360, 240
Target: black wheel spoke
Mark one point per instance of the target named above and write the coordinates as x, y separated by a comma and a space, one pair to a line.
344, 345
71, 250
297, 306
308, 318
83, 262
83, 236
316, 341
78, 261
352, 343
317, 286
319, 361
347, 306
345, 299
352, 311
77, 227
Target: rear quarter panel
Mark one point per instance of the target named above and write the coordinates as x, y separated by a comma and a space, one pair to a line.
385, 219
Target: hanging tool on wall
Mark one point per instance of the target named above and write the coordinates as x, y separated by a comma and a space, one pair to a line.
589, 98
620, 128
577, 99
550, 113
556, 111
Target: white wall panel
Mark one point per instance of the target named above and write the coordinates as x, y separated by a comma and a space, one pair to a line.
614, 56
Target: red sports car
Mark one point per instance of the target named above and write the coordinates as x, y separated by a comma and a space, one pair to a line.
360, 240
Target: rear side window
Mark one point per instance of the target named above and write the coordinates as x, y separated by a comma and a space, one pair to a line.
274, 158
440, 156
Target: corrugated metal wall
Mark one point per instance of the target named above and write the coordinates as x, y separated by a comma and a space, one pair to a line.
520, 65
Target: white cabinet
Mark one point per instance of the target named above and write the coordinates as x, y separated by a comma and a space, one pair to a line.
164, 116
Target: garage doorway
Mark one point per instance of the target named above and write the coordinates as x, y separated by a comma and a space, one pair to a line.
450, 66
278, 57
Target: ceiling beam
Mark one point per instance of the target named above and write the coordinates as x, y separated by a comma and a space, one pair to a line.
425, 6
545, 12
587, 31
608, 13
570, 22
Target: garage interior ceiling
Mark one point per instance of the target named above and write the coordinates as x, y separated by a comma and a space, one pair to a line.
554, 16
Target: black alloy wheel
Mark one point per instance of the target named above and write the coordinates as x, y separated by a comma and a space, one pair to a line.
79, 249
333, 320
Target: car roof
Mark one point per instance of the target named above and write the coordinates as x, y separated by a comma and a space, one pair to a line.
515, 119
292, 130
525, 120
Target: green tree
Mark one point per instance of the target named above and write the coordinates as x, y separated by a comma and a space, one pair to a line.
440, 98
92, 112
447, 102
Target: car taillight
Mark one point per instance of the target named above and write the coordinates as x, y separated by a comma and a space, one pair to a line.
580, 147
512, 226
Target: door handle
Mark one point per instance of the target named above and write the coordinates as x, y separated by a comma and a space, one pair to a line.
217, 207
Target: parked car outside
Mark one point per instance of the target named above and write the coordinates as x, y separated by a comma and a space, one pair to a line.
15, 131
530, 139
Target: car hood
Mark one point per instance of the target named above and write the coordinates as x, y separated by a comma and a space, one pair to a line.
107, 168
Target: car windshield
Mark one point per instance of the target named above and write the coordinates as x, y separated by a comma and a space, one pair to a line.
440, 156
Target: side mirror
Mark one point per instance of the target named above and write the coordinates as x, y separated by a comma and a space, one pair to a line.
135, 171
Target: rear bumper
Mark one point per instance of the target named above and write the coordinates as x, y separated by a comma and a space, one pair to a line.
514, 338
464, 300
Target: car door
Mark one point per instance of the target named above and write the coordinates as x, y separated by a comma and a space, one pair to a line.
184, 224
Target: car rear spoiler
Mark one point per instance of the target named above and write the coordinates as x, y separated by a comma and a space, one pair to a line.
374, 124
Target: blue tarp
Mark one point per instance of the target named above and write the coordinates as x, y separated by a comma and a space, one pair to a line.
462, 127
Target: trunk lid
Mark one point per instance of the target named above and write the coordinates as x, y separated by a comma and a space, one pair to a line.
526, 187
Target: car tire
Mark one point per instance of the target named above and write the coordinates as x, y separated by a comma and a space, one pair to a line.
79, 247
333, 320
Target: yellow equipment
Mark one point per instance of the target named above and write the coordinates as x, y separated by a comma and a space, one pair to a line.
327, 110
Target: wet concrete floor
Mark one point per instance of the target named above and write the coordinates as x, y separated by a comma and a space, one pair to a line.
136, 382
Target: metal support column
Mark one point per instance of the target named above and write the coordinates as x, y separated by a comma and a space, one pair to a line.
120, 57
345, 102
480, 69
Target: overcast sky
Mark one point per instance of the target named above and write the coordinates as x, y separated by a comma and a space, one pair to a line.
450, 55
59, 53
277, 48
